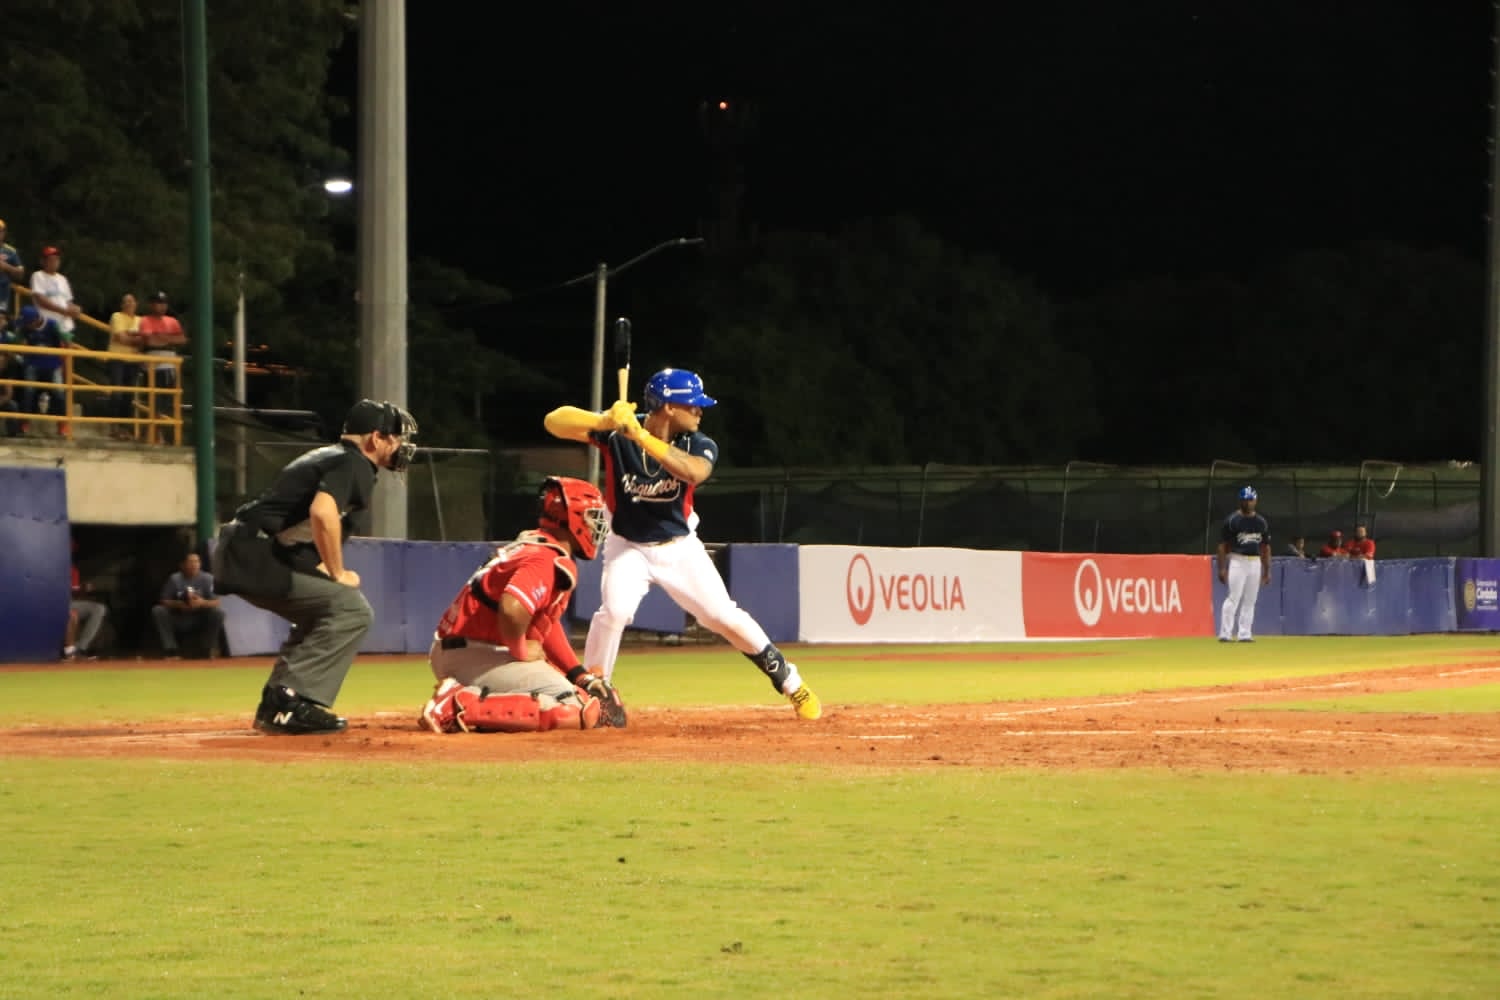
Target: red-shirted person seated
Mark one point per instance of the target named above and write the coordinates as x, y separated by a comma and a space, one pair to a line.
1361, 546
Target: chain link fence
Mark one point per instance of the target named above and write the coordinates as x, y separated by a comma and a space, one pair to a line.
453, 494
1410, 510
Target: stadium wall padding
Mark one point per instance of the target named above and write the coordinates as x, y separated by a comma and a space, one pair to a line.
762, 579
409, 584
35, 563
1333, 597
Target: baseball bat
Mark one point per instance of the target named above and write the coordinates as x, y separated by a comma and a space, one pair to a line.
622, 355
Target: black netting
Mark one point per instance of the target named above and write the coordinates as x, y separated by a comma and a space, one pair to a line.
1410, 511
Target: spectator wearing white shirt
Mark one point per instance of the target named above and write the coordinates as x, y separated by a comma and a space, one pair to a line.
53, 293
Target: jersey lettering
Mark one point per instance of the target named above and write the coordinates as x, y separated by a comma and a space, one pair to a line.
660, 491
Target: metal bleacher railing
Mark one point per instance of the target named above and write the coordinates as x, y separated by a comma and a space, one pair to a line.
155, 411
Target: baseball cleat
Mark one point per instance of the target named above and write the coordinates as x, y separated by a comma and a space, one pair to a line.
283, 710
806, 703
439, 715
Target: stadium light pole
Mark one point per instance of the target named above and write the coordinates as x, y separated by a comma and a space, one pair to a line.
601, 275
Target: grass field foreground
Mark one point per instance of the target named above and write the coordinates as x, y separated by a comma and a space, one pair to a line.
148, 879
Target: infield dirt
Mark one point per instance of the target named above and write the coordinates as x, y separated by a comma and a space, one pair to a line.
1219, 728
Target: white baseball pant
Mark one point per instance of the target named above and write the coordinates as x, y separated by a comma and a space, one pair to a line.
1239, 603
684, 569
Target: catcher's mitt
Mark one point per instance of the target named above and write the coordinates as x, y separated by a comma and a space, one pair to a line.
612, 709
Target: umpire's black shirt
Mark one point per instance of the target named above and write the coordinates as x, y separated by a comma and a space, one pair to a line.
339, 470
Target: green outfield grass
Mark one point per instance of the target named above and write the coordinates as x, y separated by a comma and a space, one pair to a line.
176, 879
716, 675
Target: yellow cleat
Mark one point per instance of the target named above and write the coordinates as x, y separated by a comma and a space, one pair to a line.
806, 703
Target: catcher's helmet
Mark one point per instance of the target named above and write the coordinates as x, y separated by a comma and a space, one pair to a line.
573, 507
675, 385
1248, 493
381, 417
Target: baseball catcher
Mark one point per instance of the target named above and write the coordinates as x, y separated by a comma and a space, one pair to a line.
501, 653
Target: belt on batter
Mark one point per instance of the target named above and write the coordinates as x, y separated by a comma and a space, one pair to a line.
453, 642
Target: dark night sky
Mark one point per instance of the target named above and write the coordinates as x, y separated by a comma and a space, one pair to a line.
1082, 143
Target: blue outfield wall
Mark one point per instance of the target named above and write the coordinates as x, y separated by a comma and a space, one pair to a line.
410, 583
35, 564
1332, 597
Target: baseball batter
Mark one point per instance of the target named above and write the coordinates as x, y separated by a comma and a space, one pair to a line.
651, 468
501, 652
1244, 564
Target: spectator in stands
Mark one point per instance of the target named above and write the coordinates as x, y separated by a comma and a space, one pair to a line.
160, 333
188, 605
1334, 547
10, 367
39, 331
85, 617
1361, 546
124, 338
10, 270
1298, 548
52, 292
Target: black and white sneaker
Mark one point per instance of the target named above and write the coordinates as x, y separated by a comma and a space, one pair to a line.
283, 710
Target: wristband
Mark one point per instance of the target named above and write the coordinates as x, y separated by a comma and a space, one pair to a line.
654, 446
577, 674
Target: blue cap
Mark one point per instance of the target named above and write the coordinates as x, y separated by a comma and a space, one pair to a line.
1248, 493
28, 314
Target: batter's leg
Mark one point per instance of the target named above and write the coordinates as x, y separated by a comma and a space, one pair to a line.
690, 578
622, 587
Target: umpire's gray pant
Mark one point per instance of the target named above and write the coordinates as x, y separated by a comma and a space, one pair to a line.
328, 622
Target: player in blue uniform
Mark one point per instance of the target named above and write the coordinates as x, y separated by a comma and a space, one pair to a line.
1244, 542
651, 468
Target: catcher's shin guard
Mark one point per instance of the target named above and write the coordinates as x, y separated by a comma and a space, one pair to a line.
482, 712
582, 714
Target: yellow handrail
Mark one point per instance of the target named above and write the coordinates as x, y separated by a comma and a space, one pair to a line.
23, 292
71, 385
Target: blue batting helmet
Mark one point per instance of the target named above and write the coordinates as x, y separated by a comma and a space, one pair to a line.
1248, 493
675, 385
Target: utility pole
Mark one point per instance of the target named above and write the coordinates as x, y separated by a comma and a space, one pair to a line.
1489, 458
601, 277
200, 243
382, 231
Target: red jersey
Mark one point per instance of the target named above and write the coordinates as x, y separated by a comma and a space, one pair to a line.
535, 569
1360, 548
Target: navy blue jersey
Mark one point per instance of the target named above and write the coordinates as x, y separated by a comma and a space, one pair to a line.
647, 503
1246, 533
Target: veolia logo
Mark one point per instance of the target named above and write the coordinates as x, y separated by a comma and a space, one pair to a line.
859, 589
1088, 592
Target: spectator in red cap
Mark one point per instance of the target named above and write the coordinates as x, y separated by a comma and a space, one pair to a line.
1334, 547
53, 293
